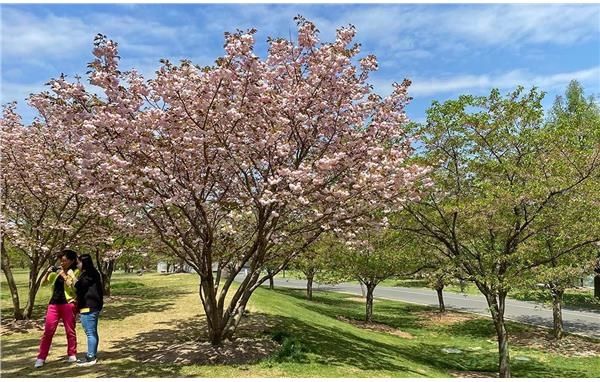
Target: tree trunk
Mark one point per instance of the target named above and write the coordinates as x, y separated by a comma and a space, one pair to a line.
440, 294
223, 317
234, 321
106, 279
106, 269
557, 296
215, 332
12, 285
33, 287
496, 303
597, 277
214, 316
504, 357
271, 281
309, 287
369, 307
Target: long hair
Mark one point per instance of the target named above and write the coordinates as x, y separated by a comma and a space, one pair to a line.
87, 265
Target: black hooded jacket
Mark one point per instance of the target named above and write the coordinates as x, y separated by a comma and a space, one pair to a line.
90, 293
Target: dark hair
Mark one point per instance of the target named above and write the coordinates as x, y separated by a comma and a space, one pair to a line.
87, 264
71, 255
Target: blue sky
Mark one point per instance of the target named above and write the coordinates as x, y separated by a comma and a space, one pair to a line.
445, 49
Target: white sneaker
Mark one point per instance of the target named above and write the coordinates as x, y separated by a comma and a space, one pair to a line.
39, 363
71, 359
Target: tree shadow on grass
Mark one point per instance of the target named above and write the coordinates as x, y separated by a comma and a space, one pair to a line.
123, 303
487, 362
185, 342
59, 369
26, 349
483, 328
335, 346
327, 345
12, 347
39, 310
478, 328
165, 351
129, 302
433, 354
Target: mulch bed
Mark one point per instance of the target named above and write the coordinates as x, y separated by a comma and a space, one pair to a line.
447, 318
246, 348
377, 327
569, 345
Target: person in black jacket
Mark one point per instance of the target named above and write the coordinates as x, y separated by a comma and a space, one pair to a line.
90, 300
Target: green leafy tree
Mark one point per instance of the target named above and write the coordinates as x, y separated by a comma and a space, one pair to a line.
497, 174
439, 272
573, 134
313, 262
372, 254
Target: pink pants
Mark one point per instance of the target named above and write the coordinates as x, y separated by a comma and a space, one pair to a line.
66, 312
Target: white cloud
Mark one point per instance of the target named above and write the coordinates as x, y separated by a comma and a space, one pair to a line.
411, 31
523, 24
396, 32
27, 35
430, 86
450, 28
24, 34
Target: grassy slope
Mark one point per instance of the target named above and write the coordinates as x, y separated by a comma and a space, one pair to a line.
154, 311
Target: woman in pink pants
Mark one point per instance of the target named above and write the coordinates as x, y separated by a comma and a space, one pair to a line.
62, 306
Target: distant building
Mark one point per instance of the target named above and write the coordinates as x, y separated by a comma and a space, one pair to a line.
162, 267
165, 267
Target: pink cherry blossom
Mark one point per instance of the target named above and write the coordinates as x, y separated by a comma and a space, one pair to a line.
242, 162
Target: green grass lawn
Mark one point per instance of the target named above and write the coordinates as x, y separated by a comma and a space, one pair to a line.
151, 314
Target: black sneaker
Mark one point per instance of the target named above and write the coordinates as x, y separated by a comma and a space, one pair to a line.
87, 361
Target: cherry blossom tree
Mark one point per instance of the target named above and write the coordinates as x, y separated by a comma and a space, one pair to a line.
107, 243
229, 165
236, 164
44, 200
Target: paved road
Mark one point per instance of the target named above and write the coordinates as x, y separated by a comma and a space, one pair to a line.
575, 321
